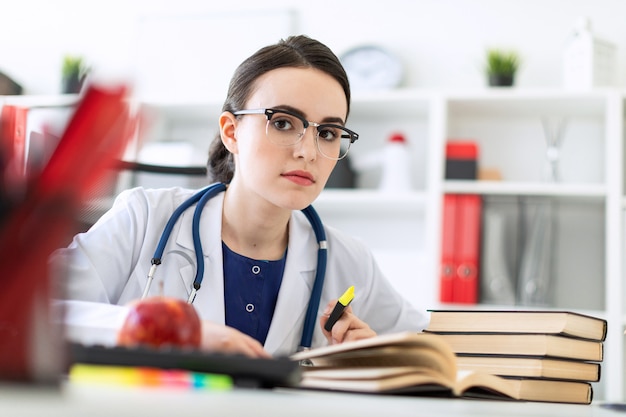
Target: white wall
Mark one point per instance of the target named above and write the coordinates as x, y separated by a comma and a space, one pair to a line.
440, 41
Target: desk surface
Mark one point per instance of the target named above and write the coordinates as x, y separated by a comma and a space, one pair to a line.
106, 401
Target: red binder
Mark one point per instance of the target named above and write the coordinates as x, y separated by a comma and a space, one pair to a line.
460, 250
13, 124
448, 261
467, 251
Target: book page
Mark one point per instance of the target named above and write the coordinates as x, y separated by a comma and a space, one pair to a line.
375, 379
475, 384
391, 356
400, 349
402, 338
479, 385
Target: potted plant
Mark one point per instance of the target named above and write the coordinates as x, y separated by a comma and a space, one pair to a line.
73, 74
501, 66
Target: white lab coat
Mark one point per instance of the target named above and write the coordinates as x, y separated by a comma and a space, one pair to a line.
108, 266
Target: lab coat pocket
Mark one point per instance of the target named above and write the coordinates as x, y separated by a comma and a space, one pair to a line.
177, 276
184, 283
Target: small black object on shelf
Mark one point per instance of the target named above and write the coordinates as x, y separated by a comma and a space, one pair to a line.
461, 160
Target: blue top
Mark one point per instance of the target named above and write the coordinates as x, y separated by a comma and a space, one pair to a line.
250, 292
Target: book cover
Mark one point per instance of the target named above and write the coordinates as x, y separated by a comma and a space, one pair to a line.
531, 367
548, 345
518, 321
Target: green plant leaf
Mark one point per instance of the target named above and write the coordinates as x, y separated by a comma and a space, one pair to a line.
73, 65
501, 62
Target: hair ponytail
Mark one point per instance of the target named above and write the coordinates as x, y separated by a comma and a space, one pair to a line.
221, 165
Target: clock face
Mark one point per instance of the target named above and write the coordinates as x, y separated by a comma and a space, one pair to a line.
372, 68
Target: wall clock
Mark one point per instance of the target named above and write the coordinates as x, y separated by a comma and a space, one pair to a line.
371, 67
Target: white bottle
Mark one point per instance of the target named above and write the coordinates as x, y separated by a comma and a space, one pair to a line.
396, 165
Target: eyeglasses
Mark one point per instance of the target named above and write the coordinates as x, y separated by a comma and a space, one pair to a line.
286, 128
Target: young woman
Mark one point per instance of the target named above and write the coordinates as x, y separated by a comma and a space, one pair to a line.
282, 131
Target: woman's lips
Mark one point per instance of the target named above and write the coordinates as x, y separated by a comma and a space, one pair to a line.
299, 177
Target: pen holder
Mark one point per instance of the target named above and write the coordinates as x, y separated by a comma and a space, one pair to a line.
31, 341
38, 217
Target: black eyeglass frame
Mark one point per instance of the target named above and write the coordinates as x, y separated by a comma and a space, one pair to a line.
270, 112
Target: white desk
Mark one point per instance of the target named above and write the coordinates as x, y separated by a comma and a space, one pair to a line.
96, 401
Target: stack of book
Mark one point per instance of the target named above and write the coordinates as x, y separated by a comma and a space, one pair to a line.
562, 347
545, 356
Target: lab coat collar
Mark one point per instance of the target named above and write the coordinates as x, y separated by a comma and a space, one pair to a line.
298, 278
295, 290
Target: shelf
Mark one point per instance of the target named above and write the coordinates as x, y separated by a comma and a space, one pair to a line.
394, 103
507, 102
36, 101
585, 191
367, 202
185, 112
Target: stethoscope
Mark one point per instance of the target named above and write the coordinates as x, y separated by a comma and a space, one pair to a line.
200, 199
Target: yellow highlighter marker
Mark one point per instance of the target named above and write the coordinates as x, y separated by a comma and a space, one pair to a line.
342, 303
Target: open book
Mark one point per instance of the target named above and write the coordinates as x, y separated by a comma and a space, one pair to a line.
421, 364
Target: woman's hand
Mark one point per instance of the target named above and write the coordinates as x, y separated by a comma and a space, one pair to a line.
225, 339
348, 327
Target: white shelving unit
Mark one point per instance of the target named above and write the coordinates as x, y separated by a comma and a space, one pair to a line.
508, 125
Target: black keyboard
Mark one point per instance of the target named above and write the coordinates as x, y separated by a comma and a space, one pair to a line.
244, 371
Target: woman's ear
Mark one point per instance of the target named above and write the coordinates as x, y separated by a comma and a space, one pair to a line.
228, 126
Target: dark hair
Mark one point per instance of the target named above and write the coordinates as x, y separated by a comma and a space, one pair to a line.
295, 51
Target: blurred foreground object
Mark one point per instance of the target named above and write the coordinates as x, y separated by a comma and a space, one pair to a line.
38, 216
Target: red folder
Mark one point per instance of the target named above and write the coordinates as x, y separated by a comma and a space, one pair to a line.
13, 132
460, 248
448, 261
467, 252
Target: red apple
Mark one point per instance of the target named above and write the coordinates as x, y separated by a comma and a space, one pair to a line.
161, 321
